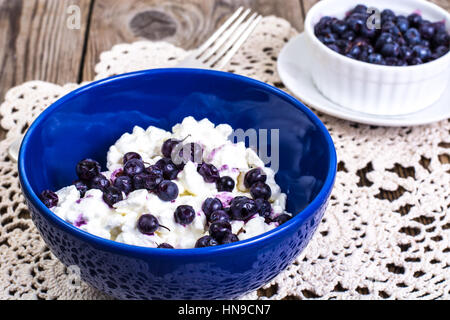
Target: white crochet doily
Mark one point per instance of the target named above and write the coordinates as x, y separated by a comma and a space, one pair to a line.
365, 248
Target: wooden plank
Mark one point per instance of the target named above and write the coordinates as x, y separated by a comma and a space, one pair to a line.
184, 23
36, 42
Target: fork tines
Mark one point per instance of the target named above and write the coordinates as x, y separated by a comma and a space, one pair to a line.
225, 42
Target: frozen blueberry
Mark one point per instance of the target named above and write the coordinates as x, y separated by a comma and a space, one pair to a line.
282, 218
87, 169
260, 190
112, 195
219, 229
49, 198
124, 184
184, 214
242, 208
133, 167
209, 172
225, 183
99, 182
168, 147
167, 190
147, 224
165, 246
219, 215
81, 187
210, 205
131, 155
263, 207
206, 241
253, 176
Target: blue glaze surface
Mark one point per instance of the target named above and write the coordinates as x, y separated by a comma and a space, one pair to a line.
87, 121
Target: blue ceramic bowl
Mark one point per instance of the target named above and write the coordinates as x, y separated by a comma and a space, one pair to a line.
87, 121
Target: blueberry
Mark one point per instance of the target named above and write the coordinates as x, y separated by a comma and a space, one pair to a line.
124, 184
391, 27
263, 207
225, 183
219, 229
387, 15
219, 215
206, 241
334, 48
165, 246
354, 51
168, 168
439, 26
168, 146
133, 167
81, 187
412, 36
329, 38
348, 35
383, 39
415, 19
146, 181
427, 30
131, 155
253, 176
405, 52
209, 172
390, 50
147, 224
167, 190
184, 214
99, 182
282, 218
87, 169
368, 33
415, 61
441, 39
154, 170
402, 23
242, 208
260, 190
392, 61
440, 51
339, 27
424, 43
355, 23
49, 198
229, 238
112, 195
360, 8
375, 58
210, 205
421, 52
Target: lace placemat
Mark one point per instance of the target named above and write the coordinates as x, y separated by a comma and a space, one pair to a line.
366, 247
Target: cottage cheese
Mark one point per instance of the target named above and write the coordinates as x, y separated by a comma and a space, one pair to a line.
119, 223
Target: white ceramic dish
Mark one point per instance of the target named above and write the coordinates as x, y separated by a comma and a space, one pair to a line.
375, 89
294, 68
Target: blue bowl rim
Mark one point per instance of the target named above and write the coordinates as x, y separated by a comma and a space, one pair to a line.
301, 216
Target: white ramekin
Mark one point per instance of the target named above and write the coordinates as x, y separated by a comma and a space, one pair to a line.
370, 88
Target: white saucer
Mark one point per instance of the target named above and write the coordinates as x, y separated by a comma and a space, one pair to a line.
294, 70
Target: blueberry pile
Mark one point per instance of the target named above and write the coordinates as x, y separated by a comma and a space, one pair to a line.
158, 178
401, 40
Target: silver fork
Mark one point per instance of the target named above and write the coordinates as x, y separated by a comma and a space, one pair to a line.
224, 43
213, 54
